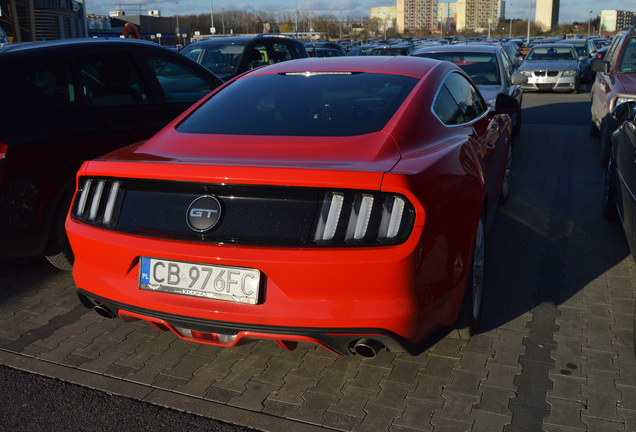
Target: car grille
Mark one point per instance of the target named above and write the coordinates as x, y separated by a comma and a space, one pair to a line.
545, 86
541, 74
249, 215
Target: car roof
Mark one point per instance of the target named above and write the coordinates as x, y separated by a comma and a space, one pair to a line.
474, 48
64, 43
242, 39
405, 65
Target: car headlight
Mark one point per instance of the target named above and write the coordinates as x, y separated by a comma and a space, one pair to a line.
622, 99
525, 72
571, 72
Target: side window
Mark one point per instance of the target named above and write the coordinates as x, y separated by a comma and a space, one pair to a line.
280, 52
112, 80
446, 108
258, 56
612, 52
507, 66
628, 58
178, 83
470, 102
295, 49
54, 81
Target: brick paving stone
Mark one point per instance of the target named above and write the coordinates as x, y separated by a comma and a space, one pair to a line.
278, 408
102, 362
254, 396
369, 377
417, 415
567, 387
312, 366
602, 425
481, 343
392, 394
59, 353
346, 366
501, 377
293, 389
352, 402
330, 384
168, 382
275, 372
448, 347
473, 361
599, 360
467, 382
630, 418
378, 419
430, 388
438, 366
220, 395
237, 379
116, 370
568, 365
186, 367
494, 401
628, 399
406, 371
340, 422
449, 425
313, 408
202, 379
489, 422
565, 413
457, 406
567, 346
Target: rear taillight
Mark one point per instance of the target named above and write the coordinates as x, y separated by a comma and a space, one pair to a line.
3, 151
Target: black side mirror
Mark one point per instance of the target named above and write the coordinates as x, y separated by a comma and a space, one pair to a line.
624, 111
602, 66
506, 104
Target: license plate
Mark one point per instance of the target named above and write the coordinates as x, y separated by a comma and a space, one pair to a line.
546, 80
235, 284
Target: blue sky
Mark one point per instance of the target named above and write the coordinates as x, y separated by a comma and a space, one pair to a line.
571, 10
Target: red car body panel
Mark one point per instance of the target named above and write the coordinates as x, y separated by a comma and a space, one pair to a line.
408, 290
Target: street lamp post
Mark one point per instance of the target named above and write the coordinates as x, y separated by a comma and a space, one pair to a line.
529, 16
223, 20
176, 12
212, 17
589, 22
510, 23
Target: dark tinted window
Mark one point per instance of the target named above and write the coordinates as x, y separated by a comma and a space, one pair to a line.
465, 96
220, 58
112, 80
178, 83
480, 67
55, 81
447, 109
328, 104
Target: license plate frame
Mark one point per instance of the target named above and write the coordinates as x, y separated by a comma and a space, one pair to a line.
210, 281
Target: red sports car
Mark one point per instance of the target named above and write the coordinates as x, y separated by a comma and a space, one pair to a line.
338, 201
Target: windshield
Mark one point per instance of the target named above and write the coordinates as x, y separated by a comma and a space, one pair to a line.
219, 58
321, 104
543, 53
581, 49
480, 67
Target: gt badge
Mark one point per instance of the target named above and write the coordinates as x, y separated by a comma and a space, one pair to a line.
203, 214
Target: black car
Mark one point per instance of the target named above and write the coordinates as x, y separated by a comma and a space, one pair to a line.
230, 56
392, 50
68, 101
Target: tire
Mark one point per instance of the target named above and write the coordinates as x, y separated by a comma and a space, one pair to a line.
505, 187
593, 129
609, 192
470, 312
605, 141
517, 126
59, 252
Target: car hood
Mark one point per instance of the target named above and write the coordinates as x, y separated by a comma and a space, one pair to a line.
627, 82
490, 92
376, 152
533, 65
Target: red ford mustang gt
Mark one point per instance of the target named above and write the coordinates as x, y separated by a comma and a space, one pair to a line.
338, 201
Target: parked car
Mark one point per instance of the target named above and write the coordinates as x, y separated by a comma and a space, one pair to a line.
324, 52
266, 210
230, 56
391, 50
72, 100
583, 50
552, 67
361, 50
619, 196
514, 53
488, 66
614, 84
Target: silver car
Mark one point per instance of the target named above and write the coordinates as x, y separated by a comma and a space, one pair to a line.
488, 66
552, 67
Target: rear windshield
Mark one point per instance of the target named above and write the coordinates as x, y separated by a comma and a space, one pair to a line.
219, 58
551, 53
480, 67
321, 104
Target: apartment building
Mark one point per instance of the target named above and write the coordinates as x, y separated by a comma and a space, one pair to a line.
615, 20
385, 14
477, 15
417, 15
547, 16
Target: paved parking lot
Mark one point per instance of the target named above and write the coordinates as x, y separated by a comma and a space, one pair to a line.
555, 352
